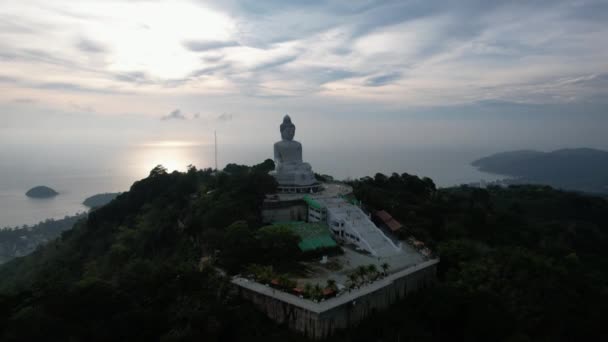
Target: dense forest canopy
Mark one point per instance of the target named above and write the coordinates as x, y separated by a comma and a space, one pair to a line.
523, 263
20, 241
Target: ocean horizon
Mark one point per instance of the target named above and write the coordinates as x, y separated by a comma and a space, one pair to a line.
77, 173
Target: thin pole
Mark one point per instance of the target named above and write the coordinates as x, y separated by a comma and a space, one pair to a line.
215, 135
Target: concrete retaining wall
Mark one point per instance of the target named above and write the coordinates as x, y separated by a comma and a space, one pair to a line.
320, 320
284, 211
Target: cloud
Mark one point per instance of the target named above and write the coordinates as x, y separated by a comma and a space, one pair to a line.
206, 45
174, 115
35, 56
429, 52
83, 108
275, 63
210, 70
382, 80
10, 24
212, 58
7, 79
24, 100
89, 46
73, 87
137, 77
224, 117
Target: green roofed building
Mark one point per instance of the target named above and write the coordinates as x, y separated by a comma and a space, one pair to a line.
316, 210
313, 235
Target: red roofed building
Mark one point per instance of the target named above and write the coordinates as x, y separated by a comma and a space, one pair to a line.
388, 220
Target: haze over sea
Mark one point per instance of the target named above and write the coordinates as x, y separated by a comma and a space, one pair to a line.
79, 172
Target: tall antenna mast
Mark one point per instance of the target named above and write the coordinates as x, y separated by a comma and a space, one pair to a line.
215, 135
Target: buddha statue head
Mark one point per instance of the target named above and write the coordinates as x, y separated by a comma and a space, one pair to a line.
288, 129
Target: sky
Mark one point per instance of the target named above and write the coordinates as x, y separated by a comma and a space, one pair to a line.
512, 74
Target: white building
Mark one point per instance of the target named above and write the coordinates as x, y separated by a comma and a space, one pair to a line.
349, 224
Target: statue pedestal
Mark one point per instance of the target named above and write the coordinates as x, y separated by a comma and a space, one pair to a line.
295, 178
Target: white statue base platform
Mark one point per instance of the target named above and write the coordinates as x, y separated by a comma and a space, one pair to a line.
299, 189
296, 182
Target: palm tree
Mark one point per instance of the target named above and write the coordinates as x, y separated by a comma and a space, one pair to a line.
352, 278
284, 281
331, 284
372, 270
362, 272
308, 290
317, 292
385, 267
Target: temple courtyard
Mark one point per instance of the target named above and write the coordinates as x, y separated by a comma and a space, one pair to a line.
338, 268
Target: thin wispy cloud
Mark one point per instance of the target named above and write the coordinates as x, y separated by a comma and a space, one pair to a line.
174, 115
90, 46
224, 117
205, 45
381, 54
384, 79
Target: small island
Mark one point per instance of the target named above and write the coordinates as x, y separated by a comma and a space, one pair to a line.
41, 192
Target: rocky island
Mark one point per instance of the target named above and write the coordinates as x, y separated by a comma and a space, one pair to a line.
41, 192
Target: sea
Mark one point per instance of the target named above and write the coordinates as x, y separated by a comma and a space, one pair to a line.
77, 172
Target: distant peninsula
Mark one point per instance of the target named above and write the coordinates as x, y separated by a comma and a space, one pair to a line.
41, 192
100, 200
580, 169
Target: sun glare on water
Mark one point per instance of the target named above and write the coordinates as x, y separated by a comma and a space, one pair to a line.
174, 155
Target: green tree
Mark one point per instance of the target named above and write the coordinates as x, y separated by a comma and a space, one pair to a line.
385, 266
331, 284
158, 170
372, 270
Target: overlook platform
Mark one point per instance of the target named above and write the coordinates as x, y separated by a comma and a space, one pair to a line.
319, 320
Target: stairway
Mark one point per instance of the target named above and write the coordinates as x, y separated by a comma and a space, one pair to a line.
380, 244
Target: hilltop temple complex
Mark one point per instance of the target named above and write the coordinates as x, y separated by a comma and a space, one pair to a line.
329, 219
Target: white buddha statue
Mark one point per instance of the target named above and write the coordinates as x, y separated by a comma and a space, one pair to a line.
290, 170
